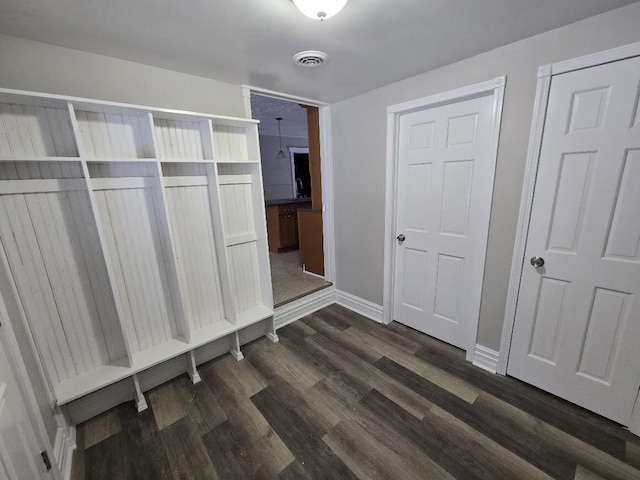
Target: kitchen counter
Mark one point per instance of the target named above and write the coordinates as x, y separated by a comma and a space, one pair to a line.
287, 201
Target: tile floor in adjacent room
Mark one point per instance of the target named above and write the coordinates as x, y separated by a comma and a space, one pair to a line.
289, 281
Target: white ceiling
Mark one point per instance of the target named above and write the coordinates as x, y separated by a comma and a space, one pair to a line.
266, 109
370, 43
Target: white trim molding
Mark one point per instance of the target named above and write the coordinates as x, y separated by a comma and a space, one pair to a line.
486, 358
545, 75
65, 444
360, 305
634, 423
326, 172
494, 87
326, 167
9, 343
593, 59
247, 89
531, 169
292, 311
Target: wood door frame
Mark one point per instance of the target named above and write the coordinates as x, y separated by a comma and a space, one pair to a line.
545, 74
292, 151
495, 88
326, 166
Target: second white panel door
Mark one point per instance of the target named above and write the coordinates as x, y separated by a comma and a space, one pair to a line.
577, 325
444, 171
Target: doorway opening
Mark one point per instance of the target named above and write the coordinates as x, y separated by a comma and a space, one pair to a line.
301, 173
293, 195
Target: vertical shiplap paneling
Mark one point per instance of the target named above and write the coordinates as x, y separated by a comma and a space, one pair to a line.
120, 272
230, 143
184, 169
237, 209
62, 273
165, 256
238, 219
191, 220
96, 273
121, 169
134, 241
111, 135
19, 242
179, 139
245, 279
49, 239
33, 131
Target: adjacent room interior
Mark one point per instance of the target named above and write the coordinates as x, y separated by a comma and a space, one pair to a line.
311, 239
292, 184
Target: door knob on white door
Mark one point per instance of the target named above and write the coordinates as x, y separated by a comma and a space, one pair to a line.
401, 237
537, 262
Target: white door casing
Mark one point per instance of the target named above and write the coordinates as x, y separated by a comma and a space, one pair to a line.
440, 169
326, 167
577, 323
19, 447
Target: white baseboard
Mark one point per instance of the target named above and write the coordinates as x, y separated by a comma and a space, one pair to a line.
486, 358
634, 423
292, 311
65, 444
321, 277
359, 305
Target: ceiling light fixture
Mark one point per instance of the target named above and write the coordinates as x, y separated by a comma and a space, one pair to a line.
320, 9
280, 155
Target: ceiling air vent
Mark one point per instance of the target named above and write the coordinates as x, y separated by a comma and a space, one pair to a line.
310, 58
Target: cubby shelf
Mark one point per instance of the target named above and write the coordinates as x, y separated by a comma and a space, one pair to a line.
143, 229
234, 161
39, 159
119, 160
187, 160
106, 375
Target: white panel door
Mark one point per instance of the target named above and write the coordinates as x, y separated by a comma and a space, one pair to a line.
577, 327
444, 171
19, 447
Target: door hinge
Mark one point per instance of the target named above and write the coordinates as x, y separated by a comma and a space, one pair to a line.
45, 459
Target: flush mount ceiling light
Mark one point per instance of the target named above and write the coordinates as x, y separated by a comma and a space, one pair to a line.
320, 9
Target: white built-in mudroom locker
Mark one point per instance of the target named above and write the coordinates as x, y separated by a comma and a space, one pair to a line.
133, 242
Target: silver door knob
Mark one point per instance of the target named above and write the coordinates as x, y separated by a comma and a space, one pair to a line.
401, 237
537, 262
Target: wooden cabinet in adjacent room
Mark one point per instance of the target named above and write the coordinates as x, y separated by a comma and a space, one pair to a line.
282, 226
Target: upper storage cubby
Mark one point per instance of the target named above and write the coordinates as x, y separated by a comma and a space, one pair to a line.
32, 128
182, 139
233, 143
115, 133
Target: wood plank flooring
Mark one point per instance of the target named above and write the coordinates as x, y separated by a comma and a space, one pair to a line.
341, 397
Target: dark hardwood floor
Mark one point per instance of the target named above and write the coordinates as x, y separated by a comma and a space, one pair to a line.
341, 397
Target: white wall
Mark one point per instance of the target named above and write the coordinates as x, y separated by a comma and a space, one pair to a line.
359, 142
276, 172
28, 65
